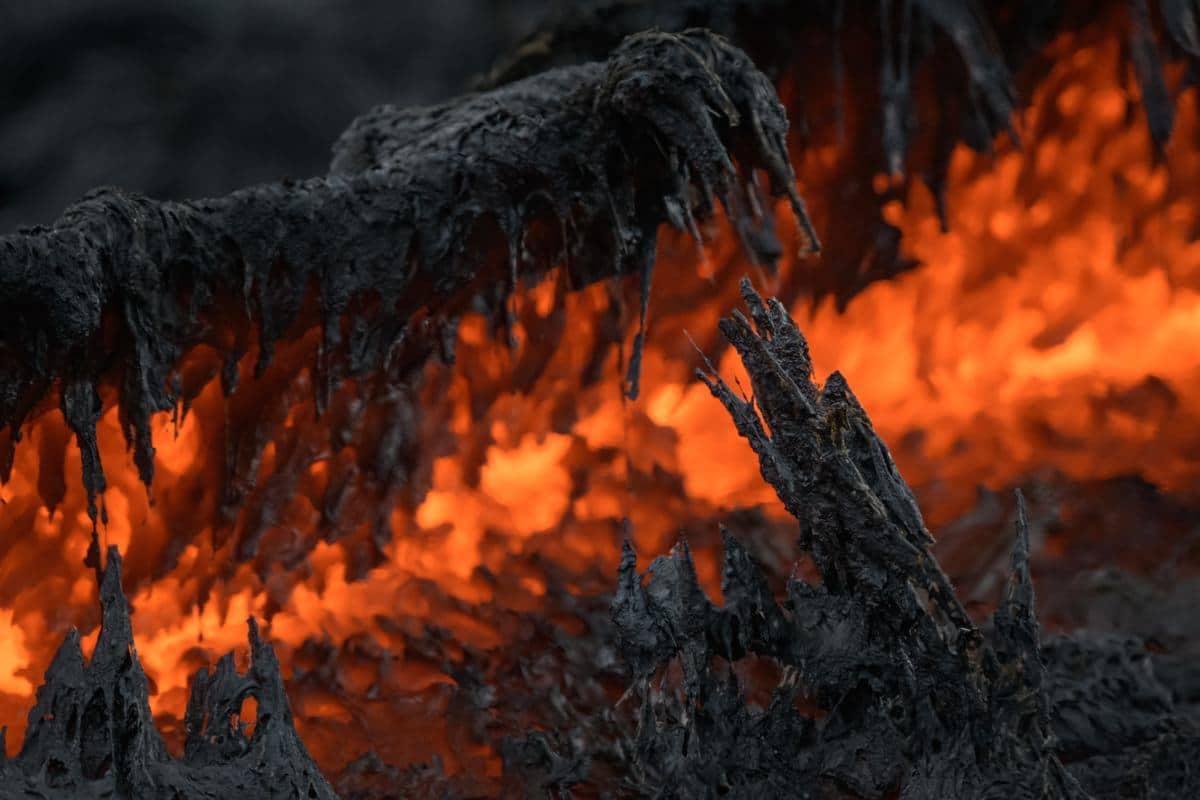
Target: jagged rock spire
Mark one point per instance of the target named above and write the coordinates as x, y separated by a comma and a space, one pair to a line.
91, 733
914, 695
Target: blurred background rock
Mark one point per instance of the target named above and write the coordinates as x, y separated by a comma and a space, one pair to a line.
190, 98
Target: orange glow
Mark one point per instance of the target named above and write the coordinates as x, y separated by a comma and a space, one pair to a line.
13, 656
1055, 326
1056, 323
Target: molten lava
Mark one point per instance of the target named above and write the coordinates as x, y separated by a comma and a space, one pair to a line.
1052, 327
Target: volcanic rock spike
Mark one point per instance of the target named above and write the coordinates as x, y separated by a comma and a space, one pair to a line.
822, 439
916, 701
641, 647
218, 755
416, 205
91, 733
1017, 643
92, 722
1147, 66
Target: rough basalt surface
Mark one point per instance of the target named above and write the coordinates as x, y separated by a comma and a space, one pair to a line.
91, 734
885, 686
991, 41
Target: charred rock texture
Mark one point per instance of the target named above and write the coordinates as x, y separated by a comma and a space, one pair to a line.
425, 212
895, 85
902, 693
904, 33
91, 734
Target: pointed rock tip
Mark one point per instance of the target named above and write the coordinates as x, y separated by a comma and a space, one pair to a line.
226, 666
754, 301
682, 549
836, 385
110, 575
70, 651
737, 566
1021, 547
733, 546
628, 553
260, 648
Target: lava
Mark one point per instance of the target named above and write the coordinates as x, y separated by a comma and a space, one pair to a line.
1053, 326
1055, 322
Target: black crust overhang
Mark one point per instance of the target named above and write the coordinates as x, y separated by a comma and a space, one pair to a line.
416, 207
605, 153
896, 84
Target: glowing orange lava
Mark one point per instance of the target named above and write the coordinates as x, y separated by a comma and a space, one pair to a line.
1056, 323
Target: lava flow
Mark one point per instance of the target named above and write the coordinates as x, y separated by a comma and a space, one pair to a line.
1053, 327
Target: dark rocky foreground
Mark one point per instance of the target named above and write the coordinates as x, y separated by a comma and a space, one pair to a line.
91, 734
868, 679
887, 685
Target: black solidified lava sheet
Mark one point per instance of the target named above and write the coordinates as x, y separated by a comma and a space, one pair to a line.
896, 86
